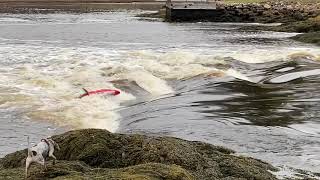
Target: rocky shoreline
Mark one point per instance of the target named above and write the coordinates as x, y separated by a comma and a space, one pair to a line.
293, 16
99, 154
269, 12
296, 16
309, 29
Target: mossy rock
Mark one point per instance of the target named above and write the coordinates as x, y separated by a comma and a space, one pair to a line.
79, 170
310, 28
313, 37
309, 25
100, 150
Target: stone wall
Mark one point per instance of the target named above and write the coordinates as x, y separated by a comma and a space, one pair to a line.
272, 12
266, 13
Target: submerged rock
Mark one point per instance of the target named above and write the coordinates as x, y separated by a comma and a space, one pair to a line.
310, 28
312, 37
309, 25
99, 154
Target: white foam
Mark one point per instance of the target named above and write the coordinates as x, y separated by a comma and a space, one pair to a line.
52, 77
267, 54
54, 98
238, 75
295, 75
149, 82
13, 19
286, 172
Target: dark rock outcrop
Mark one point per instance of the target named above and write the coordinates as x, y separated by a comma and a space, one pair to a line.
94, 154
309, 25
269, 12
313, 37
310, 28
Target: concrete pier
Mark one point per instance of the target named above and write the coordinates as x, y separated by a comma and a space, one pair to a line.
192, 10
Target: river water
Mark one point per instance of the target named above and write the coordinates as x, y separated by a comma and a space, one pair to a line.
254, 92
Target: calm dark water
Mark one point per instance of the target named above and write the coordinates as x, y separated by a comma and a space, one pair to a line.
254, 92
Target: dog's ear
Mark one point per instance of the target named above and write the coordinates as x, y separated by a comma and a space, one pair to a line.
34, 153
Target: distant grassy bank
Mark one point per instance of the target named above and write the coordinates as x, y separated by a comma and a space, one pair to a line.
243, 1
265, 1
47, 6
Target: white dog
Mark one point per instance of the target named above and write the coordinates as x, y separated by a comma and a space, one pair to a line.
41, 152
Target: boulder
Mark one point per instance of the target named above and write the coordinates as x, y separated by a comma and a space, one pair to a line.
96, 153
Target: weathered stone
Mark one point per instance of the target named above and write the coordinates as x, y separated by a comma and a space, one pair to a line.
264, 13
267, 6
310, 26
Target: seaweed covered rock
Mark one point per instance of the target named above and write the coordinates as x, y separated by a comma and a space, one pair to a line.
79, 170
310, 28
309, 25
141, 156
244, 11
312, 37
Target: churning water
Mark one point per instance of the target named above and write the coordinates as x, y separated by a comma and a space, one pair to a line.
254, 92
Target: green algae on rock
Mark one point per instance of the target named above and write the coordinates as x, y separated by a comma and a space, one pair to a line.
79, 170
99, 154
313, 37
309, 25
310, 28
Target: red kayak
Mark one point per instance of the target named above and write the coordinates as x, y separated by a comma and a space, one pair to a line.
100, 91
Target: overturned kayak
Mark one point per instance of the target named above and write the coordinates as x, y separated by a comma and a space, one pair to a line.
100, 91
